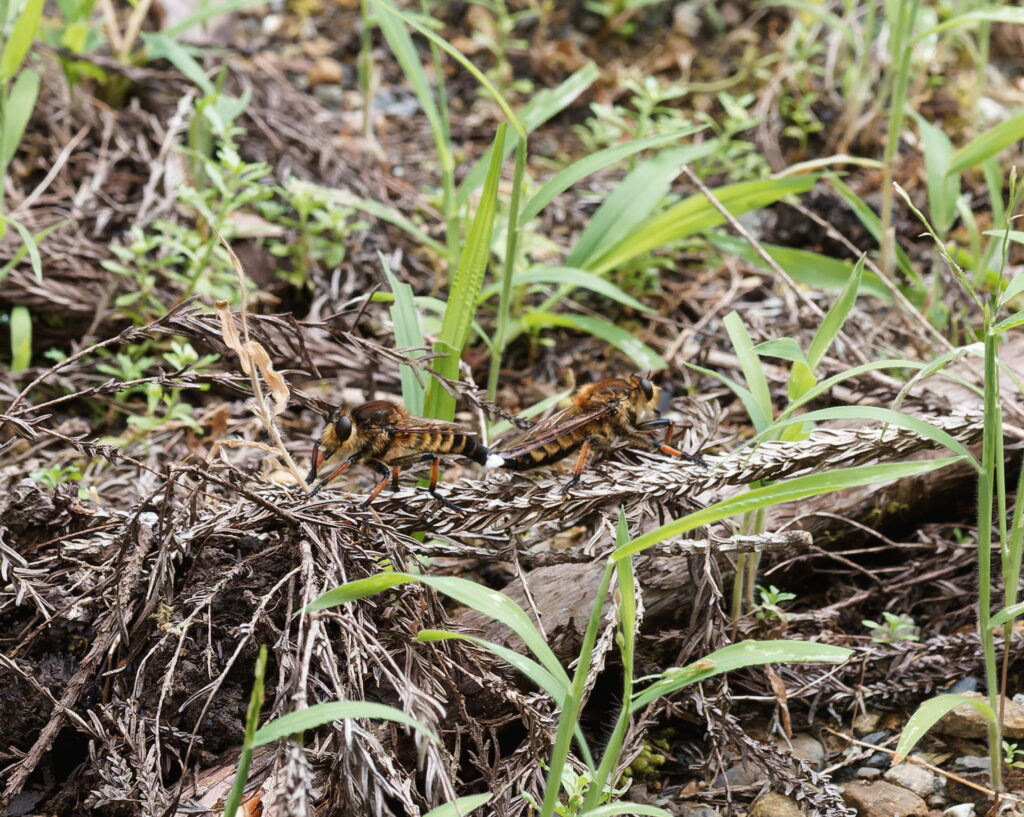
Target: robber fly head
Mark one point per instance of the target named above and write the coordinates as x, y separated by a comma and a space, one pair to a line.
337, 432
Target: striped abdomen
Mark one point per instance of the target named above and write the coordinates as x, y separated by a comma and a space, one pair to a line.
445, 442
529, 455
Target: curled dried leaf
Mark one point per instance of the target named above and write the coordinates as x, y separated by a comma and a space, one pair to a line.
275, 382
229, 332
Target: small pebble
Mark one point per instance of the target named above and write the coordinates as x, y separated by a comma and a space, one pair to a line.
960, 810
966, 684
971, 763
879, 760
867, 773
875, 738
916, 778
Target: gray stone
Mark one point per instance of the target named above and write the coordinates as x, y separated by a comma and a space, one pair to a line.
866, 724
867, 773
806, 747
699, 811
960, 810
968, 684
881, 799
973, 763
919, 780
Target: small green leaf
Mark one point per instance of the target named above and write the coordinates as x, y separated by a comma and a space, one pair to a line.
1007, 614
317, 715
931, 712
639, 352
21, 338
836, 316
988, 144
783, 348
1015, 320
943, 186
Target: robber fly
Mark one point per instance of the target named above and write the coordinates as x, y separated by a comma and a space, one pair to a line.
387, 438
600, 414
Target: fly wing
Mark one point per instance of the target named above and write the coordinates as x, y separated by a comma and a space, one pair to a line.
558, 425
420, 425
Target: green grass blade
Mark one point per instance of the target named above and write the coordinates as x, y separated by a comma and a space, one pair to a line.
943, 186
17, 111
555, 686
390, 11
20, 40
461, 807
384, 213
836, 316
931, 712
317, 715
695, 214
252, 721
1007, 614
757, 417
570, 276
990, 14
782, 348
627, 808
489, 602
407, 334
568, 176
161, 47
21, 338
788, 491
737, 656
538, 110
639, 352
805, 267
630, 204
750, 364
1015, 320
29, 245
988, 144
882, 415
464, 291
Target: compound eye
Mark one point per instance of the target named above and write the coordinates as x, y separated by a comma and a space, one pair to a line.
343, 428
647, 388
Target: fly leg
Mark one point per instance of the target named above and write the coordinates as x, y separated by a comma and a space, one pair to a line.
343, 467
435, 476
664, 447
581, 463
386, 477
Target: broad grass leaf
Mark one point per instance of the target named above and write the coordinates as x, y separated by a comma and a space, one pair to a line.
555, 686
491, 603
570, 276
631, 202
737, 656
805, 267
943, 186
882, 415
21, 338
931, 712
408, 334
464, 291
750, 364
317, 715
992, 14
594, 162
1015, 320
20, 40
988, 144
461, 807
21, 100
639, 352
627, 808
836, 316
779, 492
1007, 614
696, 214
